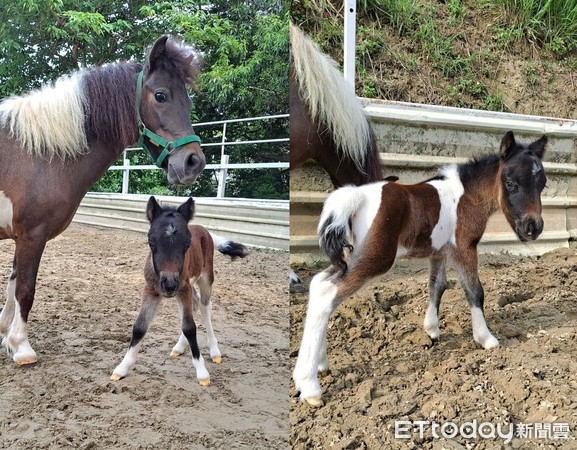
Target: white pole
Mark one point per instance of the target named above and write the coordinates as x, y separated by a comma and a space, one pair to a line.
349, 42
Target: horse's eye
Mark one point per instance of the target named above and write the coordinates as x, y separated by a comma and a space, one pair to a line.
160, 97
511, 186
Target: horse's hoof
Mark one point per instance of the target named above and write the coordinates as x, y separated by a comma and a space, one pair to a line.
204, 382
314, 401
25, 361
115, 377
174, 354
217, 359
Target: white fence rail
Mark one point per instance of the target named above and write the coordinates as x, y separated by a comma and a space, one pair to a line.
224, 164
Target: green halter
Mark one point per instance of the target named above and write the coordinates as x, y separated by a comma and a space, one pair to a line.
153, 138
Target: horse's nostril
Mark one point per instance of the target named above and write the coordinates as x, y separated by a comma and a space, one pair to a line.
195, 163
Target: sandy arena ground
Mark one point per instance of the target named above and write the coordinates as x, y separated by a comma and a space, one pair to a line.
383, 367
87, 297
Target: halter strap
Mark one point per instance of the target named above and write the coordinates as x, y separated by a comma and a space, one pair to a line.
153, 138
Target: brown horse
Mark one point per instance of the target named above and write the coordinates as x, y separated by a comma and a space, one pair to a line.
328, 123
364, 229
180, 264
57, 141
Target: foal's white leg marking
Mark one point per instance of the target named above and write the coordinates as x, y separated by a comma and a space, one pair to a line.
7, 314
127, 363
323, 365
450, 192
6, 212
17, 340
431, 323
320, 307
201, 373
481, 333
210, 337
179, 347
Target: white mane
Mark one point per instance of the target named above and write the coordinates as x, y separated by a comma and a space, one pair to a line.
329, 99
49, 121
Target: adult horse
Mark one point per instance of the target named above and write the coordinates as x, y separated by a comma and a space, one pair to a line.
57, 141
328, 123
364, 229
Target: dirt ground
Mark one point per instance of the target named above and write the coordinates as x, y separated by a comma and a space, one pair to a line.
383, 367
88, 295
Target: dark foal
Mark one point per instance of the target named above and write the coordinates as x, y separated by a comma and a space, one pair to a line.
180, 264
57, 141
364, 229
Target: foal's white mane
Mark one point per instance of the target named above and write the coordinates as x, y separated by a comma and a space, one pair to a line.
330, 100
49, 121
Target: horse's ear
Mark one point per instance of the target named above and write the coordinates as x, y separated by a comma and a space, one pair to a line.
508, 145
156, 51
538, 147
187, 209
152, 209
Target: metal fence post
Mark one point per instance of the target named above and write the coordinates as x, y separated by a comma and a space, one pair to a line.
125, 173
223, 160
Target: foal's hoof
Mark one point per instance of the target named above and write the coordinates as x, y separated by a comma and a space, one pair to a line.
25, 361
217, 359
175, 354
115, 377
314, 401
204, 382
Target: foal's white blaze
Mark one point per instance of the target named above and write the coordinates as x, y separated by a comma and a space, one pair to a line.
320, 307
481, 333
17, 340
450, 192
6, 212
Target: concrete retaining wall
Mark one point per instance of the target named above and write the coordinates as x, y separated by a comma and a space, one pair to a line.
258, 223
416, 139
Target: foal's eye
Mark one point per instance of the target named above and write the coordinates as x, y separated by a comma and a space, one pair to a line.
160, 97
510, 185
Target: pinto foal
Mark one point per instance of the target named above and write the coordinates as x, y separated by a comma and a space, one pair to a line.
180, 264
364, 229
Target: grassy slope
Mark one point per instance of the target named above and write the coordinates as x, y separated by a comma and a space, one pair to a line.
465, 53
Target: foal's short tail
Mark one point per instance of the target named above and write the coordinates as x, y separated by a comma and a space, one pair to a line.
335, 233
228, 247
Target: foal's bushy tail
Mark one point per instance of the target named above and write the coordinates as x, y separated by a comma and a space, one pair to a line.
228, 247
335, 233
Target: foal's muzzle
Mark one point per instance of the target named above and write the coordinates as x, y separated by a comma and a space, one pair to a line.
529, 227
169, 284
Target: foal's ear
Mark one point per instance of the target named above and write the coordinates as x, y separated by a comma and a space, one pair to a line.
538, 147
155, 52
152, 209
508, 145
187, 209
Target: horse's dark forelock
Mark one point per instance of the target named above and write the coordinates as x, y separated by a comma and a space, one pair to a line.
176, 59
111, 93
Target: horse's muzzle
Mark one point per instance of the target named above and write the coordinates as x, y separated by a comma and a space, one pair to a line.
169, 285
529, 228
185, 165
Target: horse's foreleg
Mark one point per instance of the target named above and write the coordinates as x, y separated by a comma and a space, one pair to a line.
7, 314
437, 286
28, 254
467, 264
205, 288
141, 325
189, 331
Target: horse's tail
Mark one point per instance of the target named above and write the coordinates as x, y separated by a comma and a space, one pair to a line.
331, 101
228, 247
335, 232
